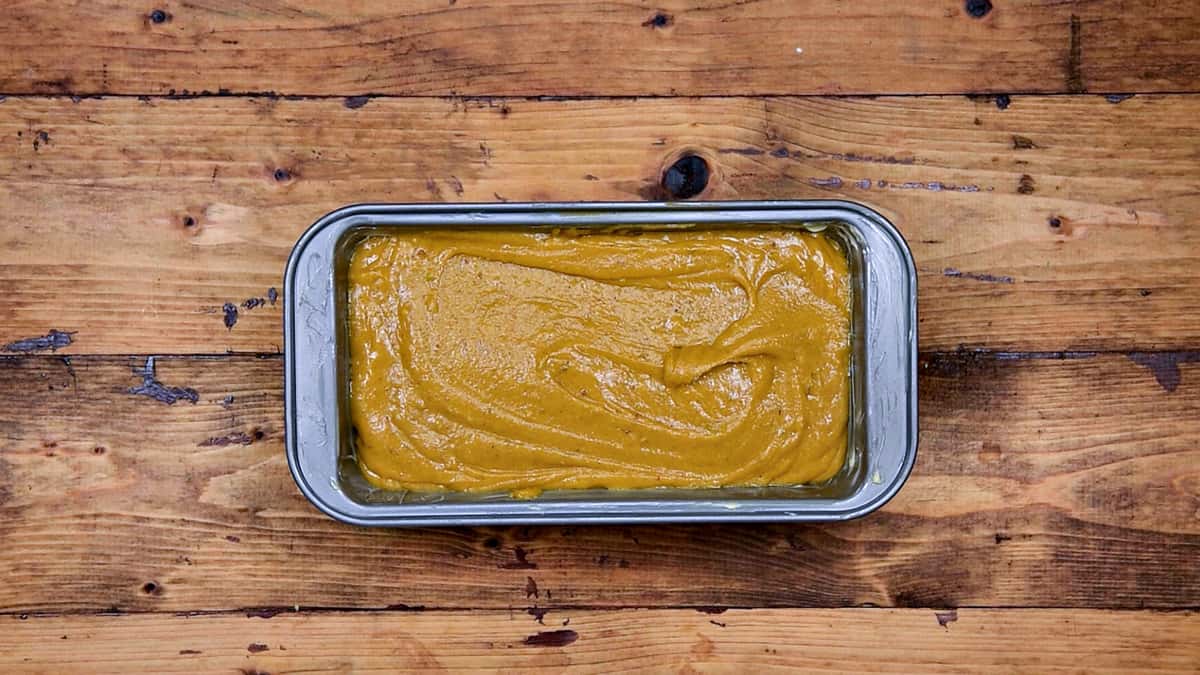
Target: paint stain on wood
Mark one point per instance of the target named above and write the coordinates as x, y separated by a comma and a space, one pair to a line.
257, 648
977, 276
230, 311
551, 638
1165, 366
54, 341
152, 388
531, 589
355, 102
944, 619
833, 182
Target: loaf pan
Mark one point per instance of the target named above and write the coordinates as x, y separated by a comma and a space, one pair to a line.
883, 409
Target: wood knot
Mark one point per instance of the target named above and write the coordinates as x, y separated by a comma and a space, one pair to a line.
282, 175
978, 8
659, 20
686, 178
159, 16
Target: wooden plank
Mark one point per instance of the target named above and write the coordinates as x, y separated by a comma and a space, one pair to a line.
517, 47
1039, 481
845, 640
1058, 223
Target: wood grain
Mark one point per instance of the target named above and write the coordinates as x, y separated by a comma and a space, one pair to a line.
1058, 223
847, 640
517, 47
1041, 482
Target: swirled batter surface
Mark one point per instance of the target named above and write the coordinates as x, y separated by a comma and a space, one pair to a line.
517, 361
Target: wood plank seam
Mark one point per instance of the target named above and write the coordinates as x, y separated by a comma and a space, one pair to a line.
299, 610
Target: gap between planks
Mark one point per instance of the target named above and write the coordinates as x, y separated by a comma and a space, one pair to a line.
643, 640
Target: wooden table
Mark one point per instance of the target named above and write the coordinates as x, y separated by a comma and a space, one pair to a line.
157, 161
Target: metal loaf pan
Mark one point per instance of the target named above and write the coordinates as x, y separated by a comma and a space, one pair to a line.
883, 409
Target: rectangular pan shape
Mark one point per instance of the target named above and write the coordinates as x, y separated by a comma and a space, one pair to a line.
883, 430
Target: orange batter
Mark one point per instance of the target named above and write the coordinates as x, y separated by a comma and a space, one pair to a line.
517, 361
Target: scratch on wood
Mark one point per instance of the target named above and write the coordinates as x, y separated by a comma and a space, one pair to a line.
783, 153
54, 340
1165, 366
236, 438
748, 151
552, 638
977, 276
1023, 143
71, 371
1075, 58
156, 390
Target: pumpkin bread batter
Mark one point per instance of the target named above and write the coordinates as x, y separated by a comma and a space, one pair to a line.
518, 361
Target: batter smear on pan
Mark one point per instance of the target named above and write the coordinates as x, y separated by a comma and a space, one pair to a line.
518, 361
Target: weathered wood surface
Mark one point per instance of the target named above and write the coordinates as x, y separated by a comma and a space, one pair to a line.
1057, 223
672, 48
1039, 482
790, 640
